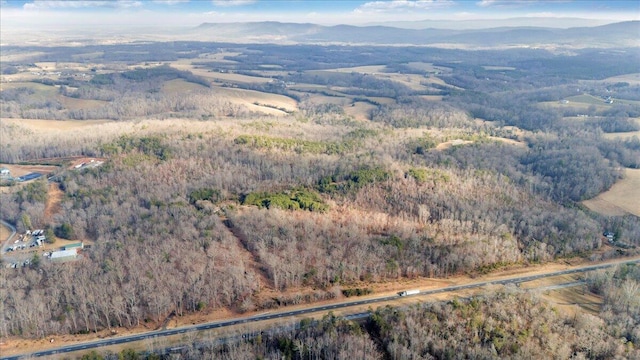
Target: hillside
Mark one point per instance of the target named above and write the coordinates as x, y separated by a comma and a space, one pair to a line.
611, 35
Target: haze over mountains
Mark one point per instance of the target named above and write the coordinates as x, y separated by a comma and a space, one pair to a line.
610, 35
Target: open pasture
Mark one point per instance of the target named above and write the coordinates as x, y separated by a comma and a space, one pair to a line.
360, 110
412, 81
216, 76
624, 135
180, 86
55, 125
632, 79
258, 101
621, 199
428, 67
48, 92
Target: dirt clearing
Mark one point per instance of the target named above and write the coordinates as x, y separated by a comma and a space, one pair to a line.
52, 204
19, 170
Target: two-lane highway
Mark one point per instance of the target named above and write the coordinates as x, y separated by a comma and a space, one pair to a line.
309, 310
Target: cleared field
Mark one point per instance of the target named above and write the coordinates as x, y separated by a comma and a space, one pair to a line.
40, 89
623, 135
432, 97
216, 76
498, 68
428, 67
220, 57
59, 125
268, 103
412, 81
370, 69
622, 198
632, 79
19, 170
574, 299
359, 110
4, 233
448, 144
177, 86
586, 99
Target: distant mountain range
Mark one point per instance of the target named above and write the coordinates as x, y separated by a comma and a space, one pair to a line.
620, 34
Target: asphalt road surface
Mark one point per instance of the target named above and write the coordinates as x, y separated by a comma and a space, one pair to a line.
310, 309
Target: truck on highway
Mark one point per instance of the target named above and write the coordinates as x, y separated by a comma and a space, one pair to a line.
409, 292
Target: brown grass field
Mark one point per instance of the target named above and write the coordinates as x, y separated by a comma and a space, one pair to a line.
4, 233
624, 135
622, 198
178, 86
250, 98
632, 79
55, 125
360, 110
48, 92
186, 64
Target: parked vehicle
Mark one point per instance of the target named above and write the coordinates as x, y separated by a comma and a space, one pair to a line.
409, 292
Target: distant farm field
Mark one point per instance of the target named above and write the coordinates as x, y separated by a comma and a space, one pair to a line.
622, 198
632, 79
258, 101
178, 86
60, 125
216, 75
360, 110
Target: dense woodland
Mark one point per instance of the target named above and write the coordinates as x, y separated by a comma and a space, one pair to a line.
214, 211
499, 324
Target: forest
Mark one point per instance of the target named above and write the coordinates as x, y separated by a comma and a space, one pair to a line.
499, 324
204, 203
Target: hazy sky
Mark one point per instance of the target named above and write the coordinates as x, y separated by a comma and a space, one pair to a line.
49, 13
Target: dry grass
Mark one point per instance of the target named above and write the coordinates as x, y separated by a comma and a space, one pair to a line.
180, 86
622, 198
216, 76
250, 98
370, 69
498, 68
78, 104
5, 232
56, 125
52, 204
359, 110
456, 142
622, 135
572, 300
632, 79
19, 170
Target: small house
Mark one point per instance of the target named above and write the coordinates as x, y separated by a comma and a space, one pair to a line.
5, 173
610, 235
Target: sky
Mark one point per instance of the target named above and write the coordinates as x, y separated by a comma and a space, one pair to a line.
50, 13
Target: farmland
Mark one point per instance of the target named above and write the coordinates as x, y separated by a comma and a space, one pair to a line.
244, 178
621, 199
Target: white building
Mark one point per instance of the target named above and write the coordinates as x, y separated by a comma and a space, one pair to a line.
64, 255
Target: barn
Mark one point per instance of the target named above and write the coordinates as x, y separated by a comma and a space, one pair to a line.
29, 176
64, 255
